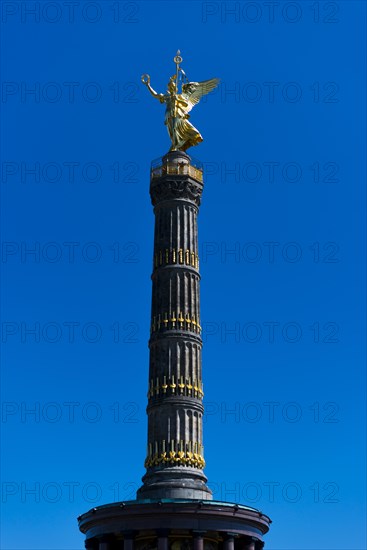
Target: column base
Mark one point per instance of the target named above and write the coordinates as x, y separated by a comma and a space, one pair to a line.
174, 483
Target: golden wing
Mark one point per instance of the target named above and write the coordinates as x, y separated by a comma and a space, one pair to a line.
194, 91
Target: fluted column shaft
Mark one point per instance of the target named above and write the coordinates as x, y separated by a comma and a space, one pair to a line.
175, 388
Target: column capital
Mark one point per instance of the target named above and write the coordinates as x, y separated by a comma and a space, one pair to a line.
176, 177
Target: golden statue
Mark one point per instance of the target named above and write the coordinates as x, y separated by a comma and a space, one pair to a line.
182, 133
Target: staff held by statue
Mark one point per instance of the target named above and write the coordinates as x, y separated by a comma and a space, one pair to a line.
182, 133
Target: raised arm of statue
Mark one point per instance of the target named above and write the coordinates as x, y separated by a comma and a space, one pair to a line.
146, 80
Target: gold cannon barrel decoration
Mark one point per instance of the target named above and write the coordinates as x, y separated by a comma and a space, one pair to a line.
175, 453
174, 256
170, 321
161, 386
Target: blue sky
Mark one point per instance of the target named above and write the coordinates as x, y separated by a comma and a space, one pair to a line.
282, 250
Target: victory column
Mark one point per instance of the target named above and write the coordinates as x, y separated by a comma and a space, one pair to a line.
174, 507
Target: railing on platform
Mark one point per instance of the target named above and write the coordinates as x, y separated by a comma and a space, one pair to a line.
160, 168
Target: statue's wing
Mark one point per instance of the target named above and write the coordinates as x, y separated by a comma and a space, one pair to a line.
194, 91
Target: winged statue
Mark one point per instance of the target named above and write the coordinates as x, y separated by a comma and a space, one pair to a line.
178, 106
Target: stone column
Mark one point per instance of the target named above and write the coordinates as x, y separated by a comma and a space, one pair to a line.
175, 458
162, 540
228, 543
105, 543
198, 540
249, 545
128, 540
